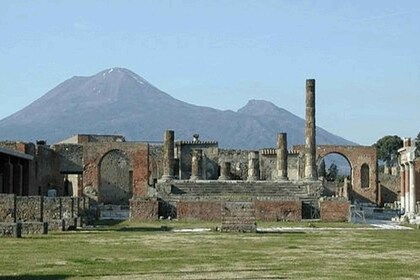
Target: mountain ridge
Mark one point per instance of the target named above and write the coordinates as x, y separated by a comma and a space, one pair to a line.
118, 101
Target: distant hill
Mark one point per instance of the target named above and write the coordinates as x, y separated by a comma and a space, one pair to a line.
118, 101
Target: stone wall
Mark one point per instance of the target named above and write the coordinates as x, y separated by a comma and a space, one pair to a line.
47, 172
209, 164
53, 210
238, 162
70, 157
143, 209
29, 208
7, 208
334, 210
271, 210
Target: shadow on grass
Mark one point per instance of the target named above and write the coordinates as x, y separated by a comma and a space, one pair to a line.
144, 229
33, 277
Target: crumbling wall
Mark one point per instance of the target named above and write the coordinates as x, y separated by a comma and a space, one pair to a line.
238, 162
70, 158
209, 164
47, 171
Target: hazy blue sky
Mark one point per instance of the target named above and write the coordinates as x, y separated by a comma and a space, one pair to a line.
364, 55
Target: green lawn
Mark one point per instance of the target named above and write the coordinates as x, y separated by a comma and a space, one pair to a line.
148, 251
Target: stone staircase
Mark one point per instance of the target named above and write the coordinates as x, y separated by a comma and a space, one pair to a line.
238, 189
238, 217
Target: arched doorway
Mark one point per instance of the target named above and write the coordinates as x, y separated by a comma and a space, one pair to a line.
115, 184
335, 168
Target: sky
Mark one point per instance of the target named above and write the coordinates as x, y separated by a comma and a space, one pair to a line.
364, 55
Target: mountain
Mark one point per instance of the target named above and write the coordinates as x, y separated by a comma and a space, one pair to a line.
118, 101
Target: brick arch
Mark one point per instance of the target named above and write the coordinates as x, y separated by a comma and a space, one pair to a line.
115, 177
357, 157
319, 158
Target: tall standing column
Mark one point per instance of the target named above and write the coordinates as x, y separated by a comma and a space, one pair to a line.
281, 156
412, 189
407, 189
402, 191
253, 166
310, 144
197, 155
168, 155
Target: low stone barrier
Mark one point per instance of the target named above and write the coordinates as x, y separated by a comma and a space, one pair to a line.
26, 228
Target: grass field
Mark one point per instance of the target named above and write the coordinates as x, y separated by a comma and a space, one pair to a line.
148, 251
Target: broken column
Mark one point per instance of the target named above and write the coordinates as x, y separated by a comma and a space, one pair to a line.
310, 133
224, 171
196, 157
253, 166
168, 155
281, 156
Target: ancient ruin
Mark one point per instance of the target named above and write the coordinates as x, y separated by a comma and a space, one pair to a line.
196, 179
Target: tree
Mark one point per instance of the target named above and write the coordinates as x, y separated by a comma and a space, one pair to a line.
387, 148
332, 172
322, 172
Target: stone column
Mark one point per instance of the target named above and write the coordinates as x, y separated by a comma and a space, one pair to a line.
281, 163
253, 166
407, 188
168, 155
310, 133
18, 180
402, 191
412, 189
224, 171
197, 155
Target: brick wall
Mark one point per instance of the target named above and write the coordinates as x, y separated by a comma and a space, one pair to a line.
200, 210
268, 210
334, 210
143, 209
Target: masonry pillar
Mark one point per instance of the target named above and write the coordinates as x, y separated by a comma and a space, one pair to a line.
224, 171
253, 166
310, 133
197, 155
18, 179
407, 189
9, 168
412, 189
168, 155
402, 191
281, 156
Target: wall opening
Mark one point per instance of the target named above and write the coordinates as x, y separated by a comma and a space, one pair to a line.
336, 171
115, 179
364, 175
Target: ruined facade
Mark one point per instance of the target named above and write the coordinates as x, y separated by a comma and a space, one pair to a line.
410, 179
186, 179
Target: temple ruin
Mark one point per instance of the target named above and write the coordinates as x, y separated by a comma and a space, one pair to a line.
195, 179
